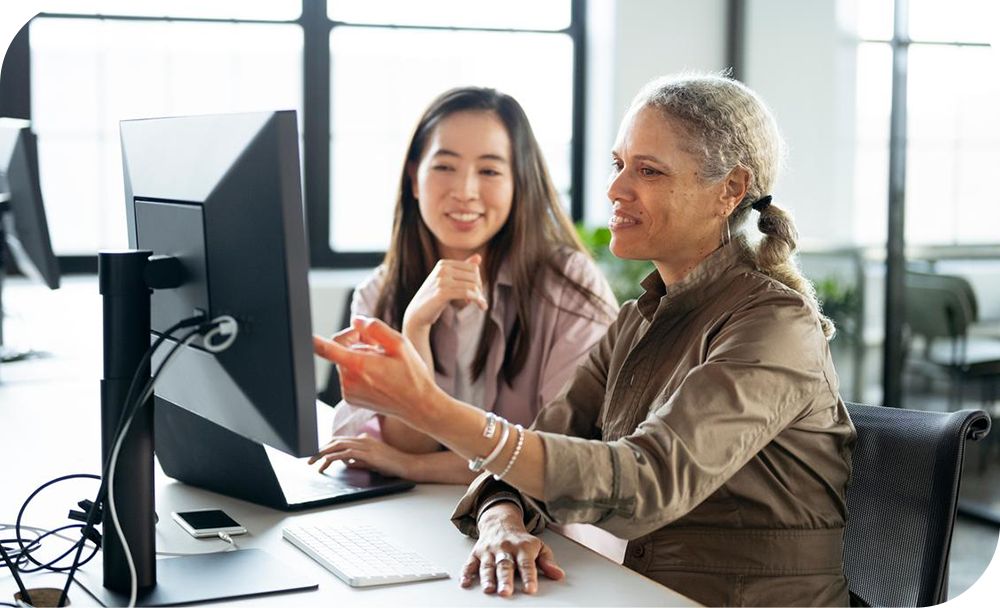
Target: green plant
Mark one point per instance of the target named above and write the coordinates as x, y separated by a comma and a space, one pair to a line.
841, 302
623, 275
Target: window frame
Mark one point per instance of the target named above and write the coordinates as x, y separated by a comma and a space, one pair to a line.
317, 27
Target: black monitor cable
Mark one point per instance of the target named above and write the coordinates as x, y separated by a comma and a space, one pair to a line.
25, 596
93, 514
225, 326
93, 509
113, 463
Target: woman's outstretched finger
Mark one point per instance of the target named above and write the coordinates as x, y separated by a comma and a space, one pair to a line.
332, 351
375, 331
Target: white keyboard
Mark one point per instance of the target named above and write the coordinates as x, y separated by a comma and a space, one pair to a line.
360, 555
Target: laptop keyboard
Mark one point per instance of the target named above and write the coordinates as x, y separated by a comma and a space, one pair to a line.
361, 556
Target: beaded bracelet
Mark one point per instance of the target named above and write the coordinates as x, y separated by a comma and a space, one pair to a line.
478, 464
517, 452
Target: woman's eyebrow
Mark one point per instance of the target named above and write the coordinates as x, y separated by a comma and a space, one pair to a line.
649, 158
488, 156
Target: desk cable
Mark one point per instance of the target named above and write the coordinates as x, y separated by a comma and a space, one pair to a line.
224, 325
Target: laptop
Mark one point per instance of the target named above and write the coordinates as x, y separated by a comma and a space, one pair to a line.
201, 453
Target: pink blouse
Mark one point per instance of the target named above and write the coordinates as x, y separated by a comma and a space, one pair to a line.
562, 332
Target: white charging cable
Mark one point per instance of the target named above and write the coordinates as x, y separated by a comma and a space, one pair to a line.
227, 328
232, 329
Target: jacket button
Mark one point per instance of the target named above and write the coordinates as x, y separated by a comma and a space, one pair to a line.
639, 551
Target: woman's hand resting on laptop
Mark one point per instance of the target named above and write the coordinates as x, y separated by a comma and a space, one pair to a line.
364, 452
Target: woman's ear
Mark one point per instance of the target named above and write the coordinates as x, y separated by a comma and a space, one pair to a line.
735, 186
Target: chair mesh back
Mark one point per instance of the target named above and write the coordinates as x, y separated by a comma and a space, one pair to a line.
901, 502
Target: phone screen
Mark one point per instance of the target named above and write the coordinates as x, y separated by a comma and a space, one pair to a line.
202, 520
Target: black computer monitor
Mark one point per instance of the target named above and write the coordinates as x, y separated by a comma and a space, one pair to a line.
24, 233
222, 194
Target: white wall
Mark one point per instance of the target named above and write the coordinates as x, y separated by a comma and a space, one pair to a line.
630, 43
798, 59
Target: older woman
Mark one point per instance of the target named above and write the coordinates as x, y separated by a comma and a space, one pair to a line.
706, 427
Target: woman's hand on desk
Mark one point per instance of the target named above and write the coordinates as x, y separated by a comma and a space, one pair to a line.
364, 452
505, 546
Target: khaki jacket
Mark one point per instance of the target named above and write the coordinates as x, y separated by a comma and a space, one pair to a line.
706, 428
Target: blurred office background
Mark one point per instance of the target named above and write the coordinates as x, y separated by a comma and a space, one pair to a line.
888, 108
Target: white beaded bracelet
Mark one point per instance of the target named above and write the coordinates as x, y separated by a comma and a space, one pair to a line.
478, 464
517, 452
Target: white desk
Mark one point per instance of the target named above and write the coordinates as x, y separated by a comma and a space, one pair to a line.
50, 416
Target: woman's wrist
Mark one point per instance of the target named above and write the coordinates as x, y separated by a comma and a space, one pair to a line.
414, 329
435, 404
501, 513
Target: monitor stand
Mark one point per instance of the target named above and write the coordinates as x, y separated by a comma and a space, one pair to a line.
127, 279
201, 578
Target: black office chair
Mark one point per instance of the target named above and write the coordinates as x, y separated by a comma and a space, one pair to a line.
902, 501
330, 394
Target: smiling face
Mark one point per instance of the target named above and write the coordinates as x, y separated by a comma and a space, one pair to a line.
464, 182
663, 210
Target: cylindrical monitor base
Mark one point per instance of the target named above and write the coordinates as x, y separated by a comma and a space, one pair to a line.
126, 300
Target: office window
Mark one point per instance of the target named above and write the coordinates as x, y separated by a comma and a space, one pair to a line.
390, 58
953, 145
514, 14
359, 73
400, 72
953, 132
873, 94
215, 9
88, 74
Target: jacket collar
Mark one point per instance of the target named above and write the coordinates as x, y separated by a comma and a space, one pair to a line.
694, 288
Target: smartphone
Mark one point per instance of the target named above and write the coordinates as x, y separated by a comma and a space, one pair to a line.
203, 523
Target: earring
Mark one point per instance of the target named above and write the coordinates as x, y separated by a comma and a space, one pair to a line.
727, 237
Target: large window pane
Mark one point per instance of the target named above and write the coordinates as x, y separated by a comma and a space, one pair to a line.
871, 161
874, 19
382, 79
87, 75
217, 9
512, 14
953, 146
954, 21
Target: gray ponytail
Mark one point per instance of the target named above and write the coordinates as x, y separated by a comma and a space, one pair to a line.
729, 126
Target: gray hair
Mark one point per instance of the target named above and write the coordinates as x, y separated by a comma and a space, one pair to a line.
729, 126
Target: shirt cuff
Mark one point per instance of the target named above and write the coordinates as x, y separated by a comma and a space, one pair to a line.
501, 496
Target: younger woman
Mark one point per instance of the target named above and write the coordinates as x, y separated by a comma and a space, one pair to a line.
484, 275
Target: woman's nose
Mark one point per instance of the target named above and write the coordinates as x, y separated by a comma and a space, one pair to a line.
618, 186
466, 186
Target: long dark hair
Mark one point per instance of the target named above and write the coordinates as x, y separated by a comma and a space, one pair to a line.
537, 235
